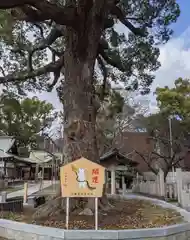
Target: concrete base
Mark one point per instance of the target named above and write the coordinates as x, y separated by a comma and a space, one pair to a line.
21, 231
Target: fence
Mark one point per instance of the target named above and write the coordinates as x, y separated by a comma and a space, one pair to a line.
175, 187
13, 205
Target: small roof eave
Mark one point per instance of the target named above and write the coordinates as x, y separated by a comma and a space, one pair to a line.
116, 152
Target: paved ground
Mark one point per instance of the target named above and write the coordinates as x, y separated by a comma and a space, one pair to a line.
32, 188
50, 190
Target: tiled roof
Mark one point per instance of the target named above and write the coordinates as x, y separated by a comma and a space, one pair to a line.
36, 157
115, 151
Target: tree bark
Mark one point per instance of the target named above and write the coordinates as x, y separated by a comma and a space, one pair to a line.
80, 107
79, 98
81, 49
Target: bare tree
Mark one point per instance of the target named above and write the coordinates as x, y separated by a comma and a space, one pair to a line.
128, 120
161, 156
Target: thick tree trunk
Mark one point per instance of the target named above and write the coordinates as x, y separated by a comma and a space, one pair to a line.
80, 101
80, 108
79, 86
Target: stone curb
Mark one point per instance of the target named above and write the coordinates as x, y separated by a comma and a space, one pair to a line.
21, 231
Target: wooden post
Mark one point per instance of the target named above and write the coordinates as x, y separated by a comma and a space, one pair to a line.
96, 213
123, 185
36, 172
43, 172
30, 173
67, 213
5, 168
25, 192
137, 178
107, 180
112, 181
3, 197
179, 185
161, 183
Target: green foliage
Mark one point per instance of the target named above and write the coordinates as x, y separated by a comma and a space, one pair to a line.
130, 58
116, 103
172, 102
175, 100
26, 118
6, 26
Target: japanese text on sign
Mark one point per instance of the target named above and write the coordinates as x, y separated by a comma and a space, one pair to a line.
95, 173
82, 178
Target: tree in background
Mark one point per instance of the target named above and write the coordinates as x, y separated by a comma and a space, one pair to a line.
83, 41
174, 104
120, 115
176, 100
26, 118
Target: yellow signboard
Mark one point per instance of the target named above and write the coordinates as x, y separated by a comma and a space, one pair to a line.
82, 178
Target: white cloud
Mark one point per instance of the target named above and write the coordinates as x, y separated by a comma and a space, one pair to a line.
52, 98
174, 58
175, 62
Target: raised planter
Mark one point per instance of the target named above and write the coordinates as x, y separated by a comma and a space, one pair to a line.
16, 230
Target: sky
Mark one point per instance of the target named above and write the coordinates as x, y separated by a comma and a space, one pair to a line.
174, 58
174, 55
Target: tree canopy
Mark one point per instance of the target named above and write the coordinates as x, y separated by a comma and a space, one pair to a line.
32, 32
175, 100
26, 118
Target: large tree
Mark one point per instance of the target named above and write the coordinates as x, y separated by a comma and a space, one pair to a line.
26, 118
82, 36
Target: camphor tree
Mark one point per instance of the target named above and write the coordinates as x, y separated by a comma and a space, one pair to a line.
82, 36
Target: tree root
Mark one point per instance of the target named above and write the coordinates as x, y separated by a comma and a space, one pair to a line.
51, 207
55, 206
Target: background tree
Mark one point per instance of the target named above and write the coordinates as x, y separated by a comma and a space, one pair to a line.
26, 118
174, 104
81, 35
176, 100
118, 116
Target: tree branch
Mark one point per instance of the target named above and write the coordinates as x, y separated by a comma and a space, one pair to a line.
121, 16
109, 60
159, 155
24, 75
177, 161
16, 3
46, 42
105, 74
147, 162
41, 10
